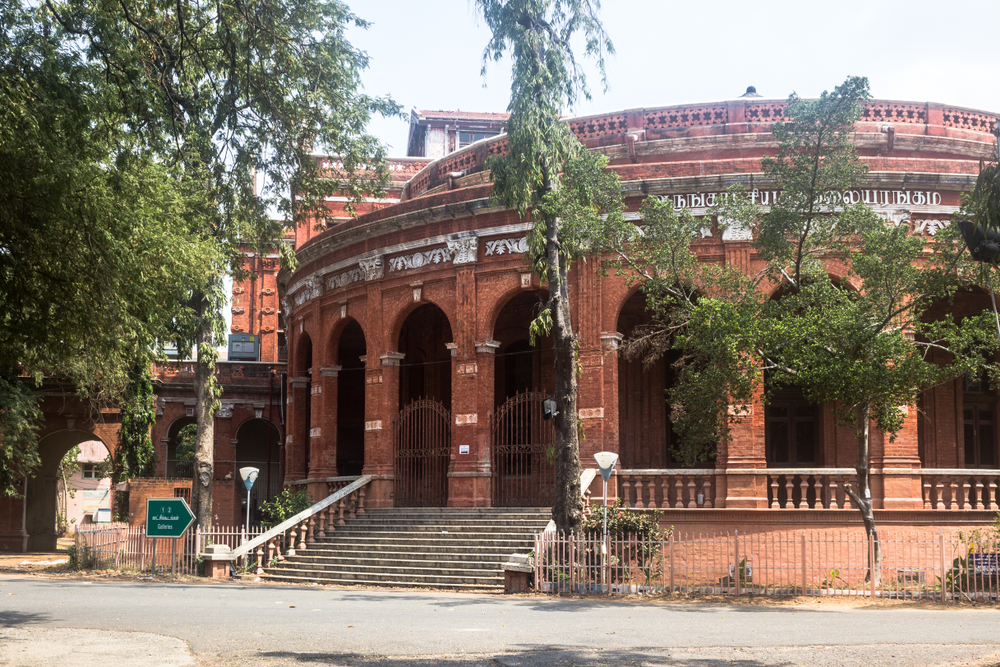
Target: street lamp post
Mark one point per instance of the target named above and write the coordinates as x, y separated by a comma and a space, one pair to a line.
606, 464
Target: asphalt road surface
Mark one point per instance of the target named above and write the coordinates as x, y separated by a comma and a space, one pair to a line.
72, 623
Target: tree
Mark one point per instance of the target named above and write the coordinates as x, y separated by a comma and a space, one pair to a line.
546, 170
94, 250
862, 339
223, 93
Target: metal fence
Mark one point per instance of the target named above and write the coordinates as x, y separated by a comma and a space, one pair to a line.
124, 547
914, 565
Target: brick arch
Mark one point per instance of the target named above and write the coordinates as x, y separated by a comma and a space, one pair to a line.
40, 494
332, 352
303, 350
398, 319
501, 299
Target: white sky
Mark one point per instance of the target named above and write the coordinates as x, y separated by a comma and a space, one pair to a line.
427, 54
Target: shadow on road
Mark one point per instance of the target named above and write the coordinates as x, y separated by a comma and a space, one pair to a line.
536, 658
16, 618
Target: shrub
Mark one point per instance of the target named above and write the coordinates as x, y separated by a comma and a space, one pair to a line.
285, 505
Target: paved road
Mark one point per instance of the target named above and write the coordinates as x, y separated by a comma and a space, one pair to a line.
232, 624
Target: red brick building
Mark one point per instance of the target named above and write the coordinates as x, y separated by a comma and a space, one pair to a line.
409, 360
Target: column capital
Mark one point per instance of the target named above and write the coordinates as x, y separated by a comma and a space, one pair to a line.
391, 358
487, 346
330, 371
611, 339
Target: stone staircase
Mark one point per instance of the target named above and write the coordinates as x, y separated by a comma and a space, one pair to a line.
458, 549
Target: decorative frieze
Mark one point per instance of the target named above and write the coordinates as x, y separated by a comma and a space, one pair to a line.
316, 388
464, 251
471, 418
468, 368
591, 413
419, 259
313, 289
373, 378
315, 432
372, 268
513, 246
346, 278
929, 227
225, 411
374, 425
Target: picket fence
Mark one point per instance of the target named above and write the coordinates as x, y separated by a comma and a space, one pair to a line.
914, 565
124, 547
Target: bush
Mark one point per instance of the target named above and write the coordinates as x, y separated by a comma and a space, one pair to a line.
623, 521
285, 505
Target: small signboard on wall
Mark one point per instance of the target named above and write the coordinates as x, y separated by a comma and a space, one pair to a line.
463, 449
102, 515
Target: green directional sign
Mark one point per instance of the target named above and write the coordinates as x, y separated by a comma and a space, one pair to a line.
167, 517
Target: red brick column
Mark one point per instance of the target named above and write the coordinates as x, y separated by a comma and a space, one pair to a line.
468, 470
327, 454
298, 430
381, 411
745, 450
901, 482
610, 341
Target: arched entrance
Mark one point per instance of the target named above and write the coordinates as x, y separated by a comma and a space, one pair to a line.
523, 474
40, 491
351, 400
423, 428
257, 446
645, 434
80, 487
180, 462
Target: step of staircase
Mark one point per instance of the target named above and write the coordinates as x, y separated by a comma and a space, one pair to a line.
456, 549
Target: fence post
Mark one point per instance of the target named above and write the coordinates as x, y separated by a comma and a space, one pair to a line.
803, 562
944, 595
671, 562
736, 550
871, 563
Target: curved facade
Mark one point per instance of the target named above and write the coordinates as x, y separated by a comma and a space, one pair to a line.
407, 327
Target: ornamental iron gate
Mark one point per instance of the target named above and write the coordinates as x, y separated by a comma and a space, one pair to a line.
423, 451
523, 474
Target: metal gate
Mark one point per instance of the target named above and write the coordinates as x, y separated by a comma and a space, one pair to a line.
523, 474
423, 450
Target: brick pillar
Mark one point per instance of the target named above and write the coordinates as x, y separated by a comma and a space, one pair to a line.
327, 455
485, 394
901, 482
744, 451
610, 341
316, 468
298, 430
467, 466
381, 411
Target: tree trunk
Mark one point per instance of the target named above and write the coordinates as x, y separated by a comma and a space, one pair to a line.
863, 498
204, 458
568, 509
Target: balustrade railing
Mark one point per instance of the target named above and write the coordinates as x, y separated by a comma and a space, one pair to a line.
809, 488
667, 489
301, 530
959, 489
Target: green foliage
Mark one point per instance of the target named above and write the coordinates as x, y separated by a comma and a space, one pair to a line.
623, 522
19, 416
285, 505
184, 451
844, 288
135, 456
